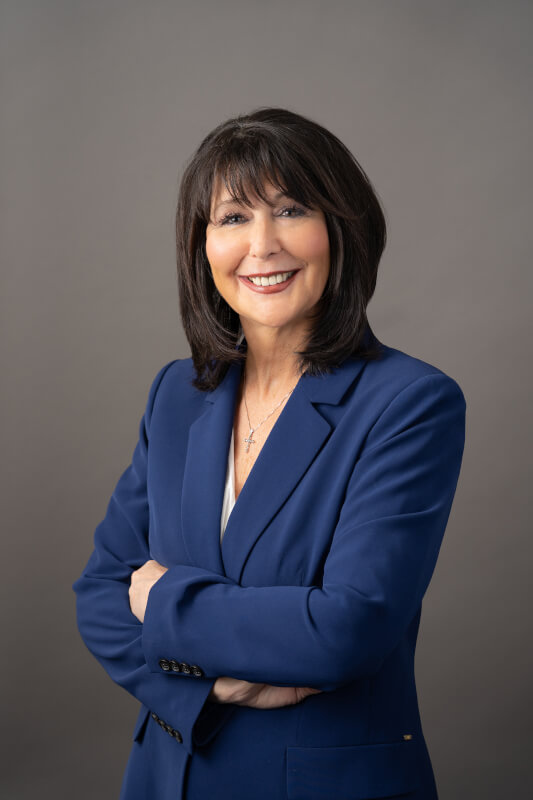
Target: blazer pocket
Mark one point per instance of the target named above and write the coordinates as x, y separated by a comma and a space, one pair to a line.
359, 772
140, 723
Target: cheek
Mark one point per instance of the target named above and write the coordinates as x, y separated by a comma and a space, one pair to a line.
316, 245
221, 254
212, 251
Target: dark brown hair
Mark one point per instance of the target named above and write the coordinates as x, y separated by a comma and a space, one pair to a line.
312, 166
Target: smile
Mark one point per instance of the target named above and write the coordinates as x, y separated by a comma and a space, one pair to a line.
263, 284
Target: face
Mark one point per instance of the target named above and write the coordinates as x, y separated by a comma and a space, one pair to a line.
269, 264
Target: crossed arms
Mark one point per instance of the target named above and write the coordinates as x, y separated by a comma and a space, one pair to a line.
382, 556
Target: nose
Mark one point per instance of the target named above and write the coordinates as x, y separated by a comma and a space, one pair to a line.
264, 240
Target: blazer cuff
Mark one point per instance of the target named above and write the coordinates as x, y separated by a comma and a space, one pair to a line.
210, 720
189, 716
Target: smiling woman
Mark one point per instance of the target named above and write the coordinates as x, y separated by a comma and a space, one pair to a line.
258, 578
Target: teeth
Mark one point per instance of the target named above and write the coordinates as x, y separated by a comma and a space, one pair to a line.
272, 279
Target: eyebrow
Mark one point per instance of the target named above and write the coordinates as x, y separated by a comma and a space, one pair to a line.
231, 200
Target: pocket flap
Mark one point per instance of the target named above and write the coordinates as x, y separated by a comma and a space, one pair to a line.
359, 772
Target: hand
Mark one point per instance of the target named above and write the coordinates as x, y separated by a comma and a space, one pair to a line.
141, 582
257, 695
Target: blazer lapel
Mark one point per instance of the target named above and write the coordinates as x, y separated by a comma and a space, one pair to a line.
205, 473
293, 443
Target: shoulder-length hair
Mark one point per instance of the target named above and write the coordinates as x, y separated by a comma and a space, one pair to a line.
313, 167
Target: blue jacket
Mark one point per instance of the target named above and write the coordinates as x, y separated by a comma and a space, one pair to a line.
318, 582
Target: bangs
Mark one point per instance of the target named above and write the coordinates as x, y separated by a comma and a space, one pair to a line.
247, 164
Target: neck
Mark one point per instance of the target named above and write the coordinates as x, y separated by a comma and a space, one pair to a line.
271, 364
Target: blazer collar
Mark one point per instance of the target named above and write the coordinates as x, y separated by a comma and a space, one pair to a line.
294, 441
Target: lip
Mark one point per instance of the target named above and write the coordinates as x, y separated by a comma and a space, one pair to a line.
276, 287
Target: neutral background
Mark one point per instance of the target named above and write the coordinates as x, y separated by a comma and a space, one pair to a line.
102, 103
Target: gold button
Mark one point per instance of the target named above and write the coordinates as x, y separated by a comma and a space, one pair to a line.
408, 736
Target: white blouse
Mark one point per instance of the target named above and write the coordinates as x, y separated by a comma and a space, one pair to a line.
229, 490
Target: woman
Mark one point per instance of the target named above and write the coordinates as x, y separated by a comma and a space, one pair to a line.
258, 577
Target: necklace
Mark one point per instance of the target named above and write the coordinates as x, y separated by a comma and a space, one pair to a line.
248, 439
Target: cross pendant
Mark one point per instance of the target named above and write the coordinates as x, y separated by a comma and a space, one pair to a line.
249, 440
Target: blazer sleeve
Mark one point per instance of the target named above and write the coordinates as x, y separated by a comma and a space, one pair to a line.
108, 627
379, 565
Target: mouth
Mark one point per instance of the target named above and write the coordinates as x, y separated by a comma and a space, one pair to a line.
270, 282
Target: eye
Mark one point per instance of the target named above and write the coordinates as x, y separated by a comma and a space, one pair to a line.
288, 212
231, 215
299, 212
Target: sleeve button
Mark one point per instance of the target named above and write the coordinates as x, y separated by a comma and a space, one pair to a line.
197, 671
175, 666
164, 664
154, 716
185, 668
177, 736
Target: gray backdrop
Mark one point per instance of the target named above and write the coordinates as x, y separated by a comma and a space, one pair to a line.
102, 103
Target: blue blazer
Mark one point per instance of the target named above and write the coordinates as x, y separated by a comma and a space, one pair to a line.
318, 582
